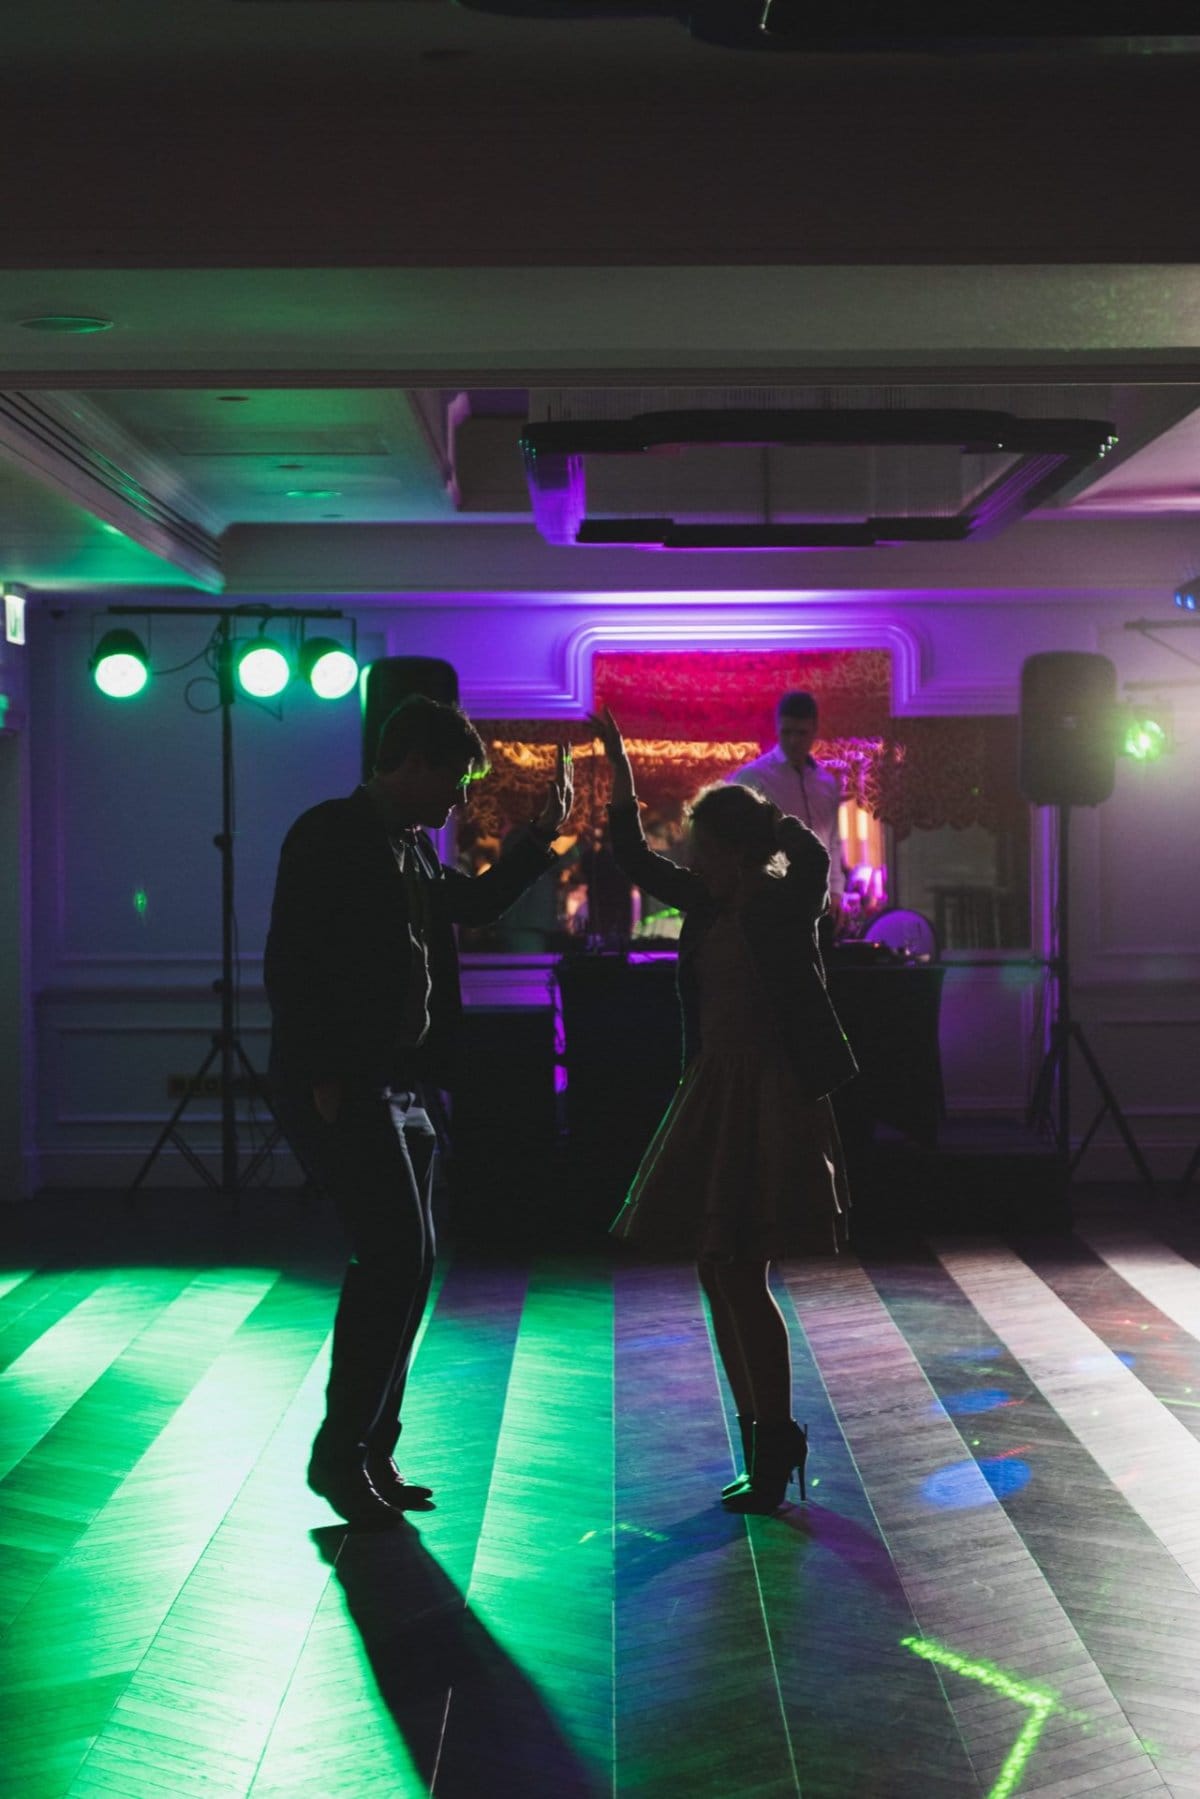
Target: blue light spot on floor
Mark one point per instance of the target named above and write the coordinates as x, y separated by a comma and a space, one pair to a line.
1005, 1475
956, 1486
978, 1355
959, 1485
976, 1399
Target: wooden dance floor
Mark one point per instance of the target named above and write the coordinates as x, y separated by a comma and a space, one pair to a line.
995, 1587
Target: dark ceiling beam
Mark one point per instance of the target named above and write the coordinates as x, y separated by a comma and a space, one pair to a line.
996, 160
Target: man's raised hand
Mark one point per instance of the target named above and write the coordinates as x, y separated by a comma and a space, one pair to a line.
560, 796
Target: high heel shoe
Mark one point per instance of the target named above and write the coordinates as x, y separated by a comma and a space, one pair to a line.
746, 1429
777, 1450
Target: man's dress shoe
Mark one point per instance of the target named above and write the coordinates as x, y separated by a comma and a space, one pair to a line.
352, 1494
390, 1484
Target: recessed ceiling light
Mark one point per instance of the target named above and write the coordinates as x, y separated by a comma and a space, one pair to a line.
313, 493
67, 324
233, 398
289, 465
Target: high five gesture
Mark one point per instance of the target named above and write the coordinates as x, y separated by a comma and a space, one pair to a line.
609, 733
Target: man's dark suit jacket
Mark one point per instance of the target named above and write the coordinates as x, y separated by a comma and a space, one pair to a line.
779, 923
337, 961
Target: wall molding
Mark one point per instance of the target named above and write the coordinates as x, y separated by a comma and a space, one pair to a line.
788, 625
113, 1166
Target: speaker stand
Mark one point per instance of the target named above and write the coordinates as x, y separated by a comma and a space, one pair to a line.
1054, 1076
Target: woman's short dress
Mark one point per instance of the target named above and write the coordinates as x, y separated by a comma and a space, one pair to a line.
743, 1163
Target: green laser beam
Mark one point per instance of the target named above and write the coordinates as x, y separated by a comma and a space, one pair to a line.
1041, 1701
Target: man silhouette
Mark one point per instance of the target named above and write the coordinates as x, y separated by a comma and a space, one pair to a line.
361, 973
791, 776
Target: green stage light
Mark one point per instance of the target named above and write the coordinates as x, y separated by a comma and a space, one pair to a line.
263, 669
1145, 740
328, 667
120, 666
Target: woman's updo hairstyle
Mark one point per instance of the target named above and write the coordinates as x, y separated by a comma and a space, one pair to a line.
739, 817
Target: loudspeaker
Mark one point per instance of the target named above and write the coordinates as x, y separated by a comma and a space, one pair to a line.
1068, 728
391, 680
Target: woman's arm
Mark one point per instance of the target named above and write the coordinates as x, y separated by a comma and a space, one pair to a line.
808, 864
655, 874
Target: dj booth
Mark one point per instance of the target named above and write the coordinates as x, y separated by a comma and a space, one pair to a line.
528, 1166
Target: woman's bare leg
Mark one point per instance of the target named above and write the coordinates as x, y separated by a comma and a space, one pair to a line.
729, 1343
756, 1326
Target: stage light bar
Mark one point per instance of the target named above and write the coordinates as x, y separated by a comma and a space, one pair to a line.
120, 666
1186, 596
263, 669
328, 667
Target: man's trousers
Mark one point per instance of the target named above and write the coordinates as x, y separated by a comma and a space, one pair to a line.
376, 1162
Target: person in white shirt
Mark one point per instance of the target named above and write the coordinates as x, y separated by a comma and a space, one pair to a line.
799, 786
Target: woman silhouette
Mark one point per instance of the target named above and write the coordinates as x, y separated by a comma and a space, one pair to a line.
746, 1164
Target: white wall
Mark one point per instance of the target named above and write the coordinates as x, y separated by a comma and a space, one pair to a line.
128, 797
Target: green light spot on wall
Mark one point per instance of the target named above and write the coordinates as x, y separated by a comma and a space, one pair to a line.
1145, 740
140, 901
1040, 1701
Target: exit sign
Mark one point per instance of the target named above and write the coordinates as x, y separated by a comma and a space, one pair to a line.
14, 614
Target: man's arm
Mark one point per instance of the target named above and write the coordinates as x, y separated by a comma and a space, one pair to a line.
482, 899
296, 967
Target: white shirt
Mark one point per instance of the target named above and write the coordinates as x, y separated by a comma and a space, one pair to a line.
812, 794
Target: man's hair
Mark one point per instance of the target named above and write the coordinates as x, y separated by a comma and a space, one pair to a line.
443, 735
797, 704
739, 817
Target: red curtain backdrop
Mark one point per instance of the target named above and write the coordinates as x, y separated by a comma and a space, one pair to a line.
716, 695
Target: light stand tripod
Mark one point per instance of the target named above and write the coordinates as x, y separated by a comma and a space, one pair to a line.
227, 1049
1065, 1031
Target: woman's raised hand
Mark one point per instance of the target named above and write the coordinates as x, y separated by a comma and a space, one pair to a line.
609, 733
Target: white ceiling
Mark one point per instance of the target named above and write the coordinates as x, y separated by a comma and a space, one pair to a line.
346, 371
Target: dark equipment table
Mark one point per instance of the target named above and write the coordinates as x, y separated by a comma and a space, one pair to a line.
621, 1021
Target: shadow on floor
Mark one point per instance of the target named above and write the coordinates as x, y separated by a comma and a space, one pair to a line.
472, 1721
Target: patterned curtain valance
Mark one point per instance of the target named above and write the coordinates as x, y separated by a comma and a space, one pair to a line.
931, 772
